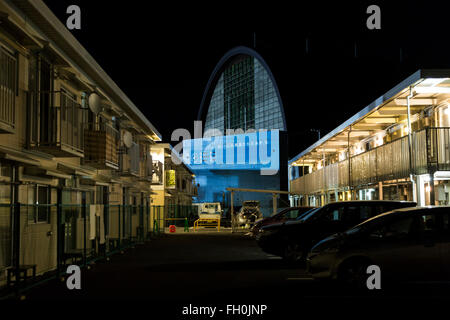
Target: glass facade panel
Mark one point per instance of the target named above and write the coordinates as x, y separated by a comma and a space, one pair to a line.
244, 98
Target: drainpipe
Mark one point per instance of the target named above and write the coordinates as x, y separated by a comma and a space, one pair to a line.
305, 195
411, 174
15, 211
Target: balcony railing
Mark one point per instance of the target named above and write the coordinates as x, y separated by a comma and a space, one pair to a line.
129, 160
438, 145
8, 68
146, 169
55, 124
387, 162
157, 172
101, 141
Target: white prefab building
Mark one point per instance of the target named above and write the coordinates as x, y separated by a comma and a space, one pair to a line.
395, 148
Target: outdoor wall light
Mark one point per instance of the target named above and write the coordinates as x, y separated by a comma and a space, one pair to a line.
358, 149
431, 82
378, 140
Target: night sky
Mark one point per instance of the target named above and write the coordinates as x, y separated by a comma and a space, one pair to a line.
162, 55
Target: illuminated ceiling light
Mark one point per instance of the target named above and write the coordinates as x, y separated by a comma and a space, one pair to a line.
378, 140
432, 81
415, 102
380, 120
358, 149
432, 90
319, 165
427, 188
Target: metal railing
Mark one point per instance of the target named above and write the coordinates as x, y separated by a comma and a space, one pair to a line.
146, 169
437, 144
8, 83
5, 236
182, 211
55, 122
76, 234
129, 160
101, 145
387, 162
157, 172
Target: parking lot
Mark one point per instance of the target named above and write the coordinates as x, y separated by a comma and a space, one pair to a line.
217, 268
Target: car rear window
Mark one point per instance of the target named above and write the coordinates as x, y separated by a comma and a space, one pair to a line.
392, 206
292, 214
308, 214
358, 213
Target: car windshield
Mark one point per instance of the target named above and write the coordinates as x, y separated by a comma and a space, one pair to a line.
280, 212
251, 204
369, 223
306, 215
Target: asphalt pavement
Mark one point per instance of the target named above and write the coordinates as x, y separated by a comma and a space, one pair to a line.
196, 269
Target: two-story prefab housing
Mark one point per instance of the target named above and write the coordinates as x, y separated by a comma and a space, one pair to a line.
75, 166
395, 148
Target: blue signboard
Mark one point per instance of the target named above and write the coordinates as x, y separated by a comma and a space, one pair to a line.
257, 150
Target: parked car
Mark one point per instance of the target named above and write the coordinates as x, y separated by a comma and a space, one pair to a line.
287, 214
292, 240
248, 214
410, 243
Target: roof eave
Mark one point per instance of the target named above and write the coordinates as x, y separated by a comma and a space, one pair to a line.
44, 18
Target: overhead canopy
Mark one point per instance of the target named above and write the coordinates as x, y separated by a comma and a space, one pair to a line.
45, 173
73, 170
17, 156
428, 88
25, 38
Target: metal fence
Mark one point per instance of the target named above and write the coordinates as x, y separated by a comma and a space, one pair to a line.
5, 236
50, 237
178, 215
162, 217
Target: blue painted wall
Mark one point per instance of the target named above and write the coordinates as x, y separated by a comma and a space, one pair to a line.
213, 184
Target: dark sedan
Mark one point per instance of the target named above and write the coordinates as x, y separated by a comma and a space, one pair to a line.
411, 243
292, 240
287, 214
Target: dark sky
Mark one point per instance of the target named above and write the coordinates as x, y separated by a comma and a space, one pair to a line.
162, 55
